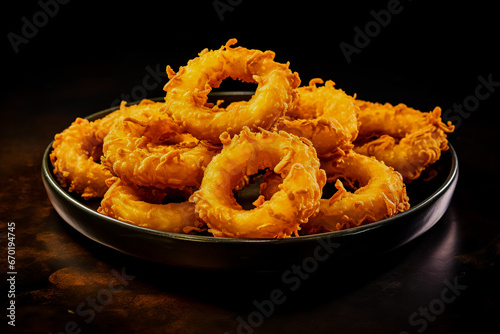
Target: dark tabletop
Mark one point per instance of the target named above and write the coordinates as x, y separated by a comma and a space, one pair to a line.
84, 58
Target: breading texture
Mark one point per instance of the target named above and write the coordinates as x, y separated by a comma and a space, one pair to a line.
380, 194
325, 115
406, 139
294, 159
187, 90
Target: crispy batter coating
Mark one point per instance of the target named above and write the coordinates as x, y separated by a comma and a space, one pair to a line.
298, 198
326, 116
142, 207
188, 88
408, 140
73, 159
77, 151
381, 194
149, 149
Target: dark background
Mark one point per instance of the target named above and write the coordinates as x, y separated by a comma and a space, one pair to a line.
430, 53
91, 53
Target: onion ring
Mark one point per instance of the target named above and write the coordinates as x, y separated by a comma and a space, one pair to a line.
245, 154
149, 149
381, 194
326, 116
77, 151
142, 207
409, 140
74, 159
187, 90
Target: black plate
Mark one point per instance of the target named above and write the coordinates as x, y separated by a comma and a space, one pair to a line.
429, 201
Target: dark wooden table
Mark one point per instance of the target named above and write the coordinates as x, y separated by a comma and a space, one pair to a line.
446, 281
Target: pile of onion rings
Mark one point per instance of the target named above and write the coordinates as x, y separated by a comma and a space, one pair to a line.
179, 165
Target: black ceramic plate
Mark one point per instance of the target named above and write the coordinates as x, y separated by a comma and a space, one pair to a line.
429, 201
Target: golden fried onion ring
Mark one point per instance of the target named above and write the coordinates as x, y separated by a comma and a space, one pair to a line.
142, 207
245, 154
326, 116
186, 98
148, 149
77, 152
75, 164
380, 194
408, 140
